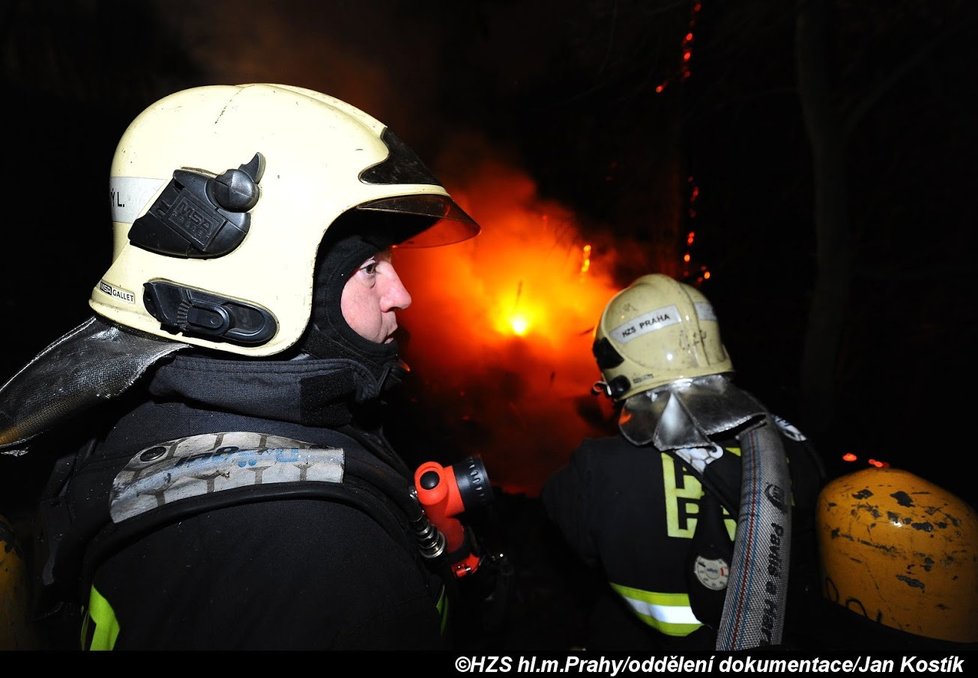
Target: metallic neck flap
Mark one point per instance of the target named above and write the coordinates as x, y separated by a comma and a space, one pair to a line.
90, 364
686, 412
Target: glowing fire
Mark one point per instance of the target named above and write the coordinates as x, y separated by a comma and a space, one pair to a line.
526, 313
586, 259
506, 319
516, 321
519, 324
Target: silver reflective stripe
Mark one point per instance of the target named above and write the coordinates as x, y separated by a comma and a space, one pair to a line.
129, 195
215, 462
645, 323
669, 613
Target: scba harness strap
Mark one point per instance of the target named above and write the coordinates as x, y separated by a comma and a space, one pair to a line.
183, 477
207, 465
191, 475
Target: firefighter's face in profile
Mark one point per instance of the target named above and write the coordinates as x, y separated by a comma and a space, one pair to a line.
372, 296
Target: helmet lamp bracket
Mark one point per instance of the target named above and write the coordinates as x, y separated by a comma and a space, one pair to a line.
200, 215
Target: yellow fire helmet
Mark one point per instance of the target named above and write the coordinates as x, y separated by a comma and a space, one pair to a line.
656, 331
220, 196
902, 552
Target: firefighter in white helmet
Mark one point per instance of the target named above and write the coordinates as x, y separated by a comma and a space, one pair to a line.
656, 507
230, 486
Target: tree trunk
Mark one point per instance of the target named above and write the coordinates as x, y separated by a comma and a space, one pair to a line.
828, 138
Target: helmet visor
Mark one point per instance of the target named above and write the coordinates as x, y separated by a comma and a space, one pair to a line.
442, 221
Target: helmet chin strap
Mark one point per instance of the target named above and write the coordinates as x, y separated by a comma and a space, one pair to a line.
394, 375
369, 384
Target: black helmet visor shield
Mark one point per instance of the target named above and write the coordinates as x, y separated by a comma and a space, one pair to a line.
443, 222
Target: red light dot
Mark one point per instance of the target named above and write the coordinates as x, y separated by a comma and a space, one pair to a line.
849, 456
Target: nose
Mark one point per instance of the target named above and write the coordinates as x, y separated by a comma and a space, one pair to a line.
395, 296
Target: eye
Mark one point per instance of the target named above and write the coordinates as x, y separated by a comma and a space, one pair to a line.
368, 268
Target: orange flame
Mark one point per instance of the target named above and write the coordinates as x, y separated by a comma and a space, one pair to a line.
501, 328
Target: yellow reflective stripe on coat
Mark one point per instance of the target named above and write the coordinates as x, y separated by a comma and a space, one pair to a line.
102, 617
668, 613
442, 607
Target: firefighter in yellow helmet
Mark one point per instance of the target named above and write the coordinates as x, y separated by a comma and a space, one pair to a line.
657, 507
898, 563
223, 480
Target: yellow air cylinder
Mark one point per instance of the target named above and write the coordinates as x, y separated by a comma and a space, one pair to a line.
902, 552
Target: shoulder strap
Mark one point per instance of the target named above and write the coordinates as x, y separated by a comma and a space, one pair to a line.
187, 476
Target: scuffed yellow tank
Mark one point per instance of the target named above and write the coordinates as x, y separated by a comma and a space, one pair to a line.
902, 552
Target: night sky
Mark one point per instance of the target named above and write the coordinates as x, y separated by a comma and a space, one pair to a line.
558, 127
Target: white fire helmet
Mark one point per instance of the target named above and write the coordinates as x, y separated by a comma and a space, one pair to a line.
220, 196
654, 332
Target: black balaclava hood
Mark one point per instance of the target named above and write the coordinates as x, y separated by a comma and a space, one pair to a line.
353, 239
